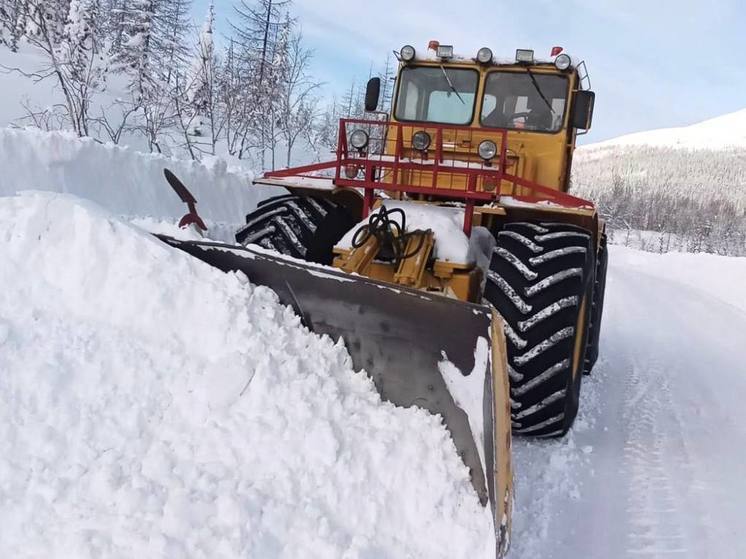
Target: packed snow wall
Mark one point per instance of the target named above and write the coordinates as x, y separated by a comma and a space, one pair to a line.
126, 182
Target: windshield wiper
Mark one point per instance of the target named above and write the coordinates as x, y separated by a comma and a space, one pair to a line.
536, 86
442, 69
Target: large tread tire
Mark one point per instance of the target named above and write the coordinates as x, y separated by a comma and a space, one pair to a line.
304, 227
597, 309
540, 281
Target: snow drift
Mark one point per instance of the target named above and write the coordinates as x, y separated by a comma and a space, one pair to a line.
151, 406
126, 182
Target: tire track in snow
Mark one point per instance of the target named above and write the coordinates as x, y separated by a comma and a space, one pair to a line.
653, 507
654, 467
547, 484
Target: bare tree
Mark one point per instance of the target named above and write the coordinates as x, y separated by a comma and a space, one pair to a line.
73, 52
198, 113
116, 126
322, 137
387, 84
348, 101
297, 107
231, 99
260, 30
152, 53
12, 22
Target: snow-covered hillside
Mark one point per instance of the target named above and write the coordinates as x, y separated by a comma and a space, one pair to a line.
686, 186
722, 132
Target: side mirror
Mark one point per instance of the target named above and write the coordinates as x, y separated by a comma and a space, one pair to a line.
372, 92
582, 110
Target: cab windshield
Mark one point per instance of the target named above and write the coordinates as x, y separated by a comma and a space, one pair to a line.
437, 94
515, 101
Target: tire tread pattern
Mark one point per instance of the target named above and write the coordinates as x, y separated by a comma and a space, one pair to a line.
599, 290
303, 227
538, 278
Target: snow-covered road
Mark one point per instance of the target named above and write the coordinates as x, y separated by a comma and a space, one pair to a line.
656, 464
653, 468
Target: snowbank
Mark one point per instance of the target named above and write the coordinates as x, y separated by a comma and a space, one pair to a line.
721, 277
151, 406
126, 182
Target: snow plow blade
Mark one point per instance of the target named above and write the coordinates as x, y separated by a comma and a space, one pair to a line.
440, 354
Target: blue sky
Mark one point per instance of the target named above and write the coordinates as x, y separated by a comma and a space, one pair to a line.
653, 63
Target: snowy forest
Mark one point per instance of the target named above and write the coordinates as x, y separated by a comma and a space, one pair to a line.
144, 73
142, 70
666, 199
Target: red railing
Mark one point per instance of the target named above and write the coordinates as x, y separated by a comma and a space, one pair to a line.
449, 169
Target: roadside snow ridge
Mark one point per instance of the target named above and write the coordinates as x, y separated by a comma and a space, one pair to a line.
152, 406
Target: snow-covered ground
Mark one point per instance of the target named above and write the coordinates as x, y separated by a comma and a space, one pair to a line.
152, 406
655, 464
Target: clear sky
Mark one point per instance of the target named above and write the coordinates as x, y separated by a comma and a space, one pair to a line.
653, 63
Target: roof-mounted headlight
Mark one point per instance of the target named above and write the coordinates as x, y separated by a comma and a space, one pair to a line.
562, 62
407, 53
421, 140
487, 149
359, 139
484, 55
524, 56
444, 51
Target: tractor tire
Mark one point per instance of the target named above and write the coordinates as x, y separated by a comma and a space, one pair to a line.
304, 227
540, 281
597, 309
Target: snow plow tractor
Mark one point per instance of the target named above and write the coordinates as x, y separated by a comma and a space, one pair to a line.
442, 245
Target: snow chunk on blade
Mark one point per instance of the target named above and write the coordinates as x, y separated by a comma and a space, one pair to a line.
151, 405
447, 222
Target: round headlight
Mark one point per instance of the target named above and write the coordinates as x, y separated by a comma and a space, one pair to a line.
562, 62
359, 139
484, 55
407, 53
487, 149
421, 140
351, 171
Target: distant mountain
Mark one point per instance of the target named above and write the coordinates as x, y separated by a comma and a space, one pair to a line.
687, 183
717, 133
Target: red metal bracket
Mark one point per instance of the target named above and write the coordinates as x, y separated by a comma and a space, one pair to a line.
191, 217
388, 164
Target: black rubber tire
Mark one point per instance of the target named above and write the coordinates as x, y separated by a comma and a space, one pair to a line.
597, 309
303, 227
540, 281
